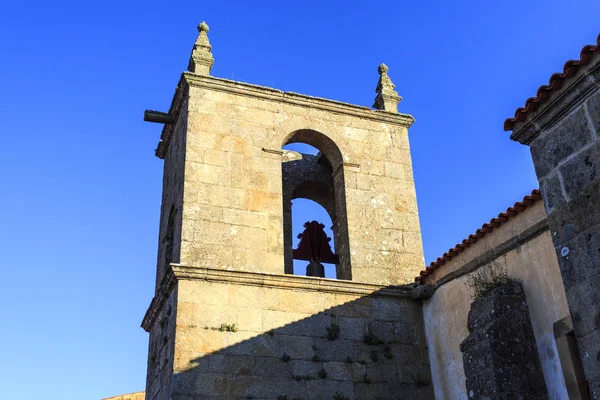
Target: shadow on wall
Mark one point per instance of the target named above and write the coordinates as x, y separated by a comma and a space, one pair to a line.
369, 348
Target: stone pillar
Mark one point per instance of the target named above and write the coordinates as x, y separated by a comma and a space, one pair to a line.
500, 355
562, 127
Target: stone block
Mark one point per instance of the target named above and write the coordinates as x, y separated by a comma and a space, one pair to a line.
581, 170
352, 328
594, 388
570, 219
335, 350
372, 390
273, 367
583, 300
505, 299
324, 389
338, 371
589, 351
566, 138
230, 364
592, 105
196, 212
304, 368
222, 196
297, 347
215, 157
552, 191
200, 384
264, 387
389, 310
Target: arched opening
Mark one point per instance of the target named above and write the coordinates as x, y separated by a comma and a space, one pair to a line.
316, 176
304, 210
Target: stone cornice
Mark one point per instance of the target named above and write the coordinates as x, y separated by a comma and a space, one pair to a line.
276, 95
575, 90
283, 281
267, 93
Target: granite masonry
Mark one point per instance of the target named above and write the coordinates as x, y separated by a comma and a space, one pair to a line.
230, 320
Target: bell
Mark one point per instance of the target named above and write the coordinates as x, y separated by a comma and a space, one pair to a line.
315, 268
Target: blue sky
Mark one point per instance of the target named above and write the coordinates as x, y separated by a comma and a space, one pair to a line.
80, 197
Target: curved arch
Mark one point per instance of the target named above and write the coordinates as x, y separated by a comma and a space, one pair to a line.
318, 140
318, 178
318, 192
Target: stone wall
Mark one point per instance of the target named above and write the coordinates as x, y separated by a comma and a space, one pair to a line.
172, 196
563, 132
245, 335
522, 248
233, 211
161, 345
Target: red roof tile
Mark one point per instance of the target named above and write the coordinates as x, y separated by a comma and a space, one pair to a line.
502, 218
555, 83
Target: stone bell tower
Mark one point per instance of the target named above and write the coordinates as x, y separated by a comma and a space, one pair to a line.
228, 318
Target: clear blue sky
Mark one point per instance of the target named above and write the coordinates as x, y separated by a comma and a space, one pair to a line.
80, 195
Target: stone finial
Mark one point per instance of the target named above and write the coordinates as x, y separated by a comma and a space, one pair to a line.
202, 59
387, 98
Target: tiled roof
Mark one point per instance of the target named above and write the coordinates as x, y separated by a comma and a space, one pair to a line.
555, 83
488, 227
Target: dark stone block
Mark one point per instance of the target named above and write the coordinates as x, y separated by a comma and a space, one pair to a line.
567, 220
583, 302
551, 192
584, 250
589, 351
498, 302
567, 137
571, 260
593, 109
594, 385
581, 170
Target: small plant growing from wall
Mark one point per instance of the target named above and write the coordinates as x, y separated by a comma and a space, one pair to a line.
480, 283
333, 331
228, 328
285, 357
322, 373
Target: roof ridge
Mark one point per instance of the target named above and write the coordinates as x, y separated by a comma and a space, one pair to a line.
555, 83
486, 228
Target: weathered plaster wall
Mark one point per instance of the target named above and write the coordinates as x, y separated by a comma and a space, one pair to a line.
533, 263
233, 211
276, 317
